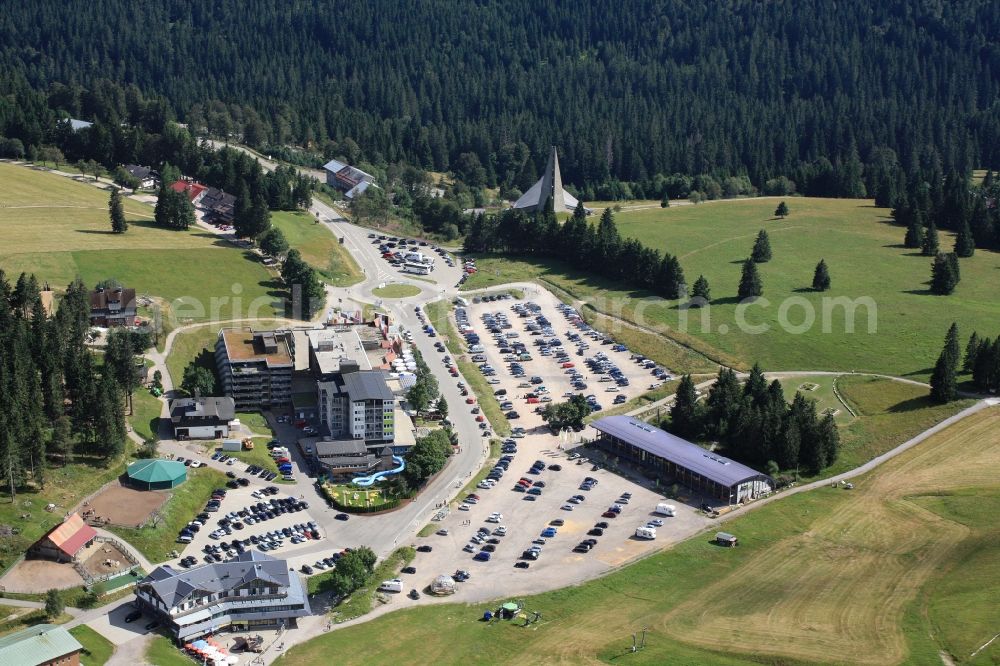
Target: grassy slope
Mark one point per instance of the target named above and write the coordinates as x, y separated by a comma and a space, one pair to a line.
96, 648
319, 247
58, 228
145, 413
162, 652
156, 541
862, 250
823, 575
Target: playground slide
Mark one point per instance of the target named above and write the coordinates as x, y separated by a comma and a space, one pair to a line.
365, 481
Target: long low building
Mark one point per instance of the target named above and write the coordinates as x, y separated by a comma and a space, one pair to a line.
689, 464
251, 591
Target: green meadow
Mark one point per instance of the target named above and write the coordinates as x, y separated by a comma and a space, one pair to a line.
897, 326
57, 229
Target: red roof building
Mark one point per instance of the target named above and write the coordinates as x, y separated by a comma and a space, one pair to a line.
193, 190
65, 541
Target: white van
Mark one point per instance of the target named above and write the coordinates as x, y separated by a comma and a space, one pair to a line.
394, 585
461, 301
645, 532
665, 510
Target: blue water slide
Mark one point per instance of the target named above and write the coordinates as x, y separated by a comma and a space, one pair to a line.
366, 481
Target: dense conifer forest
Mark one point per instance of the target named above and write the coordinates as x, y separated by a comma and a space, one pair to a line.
810, 90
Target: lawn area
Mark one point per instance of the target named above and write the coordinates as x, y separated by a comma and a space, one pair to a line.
64, 487
256, 422
866, 260
396, 291
15, 619
145, 413
864, 576
58, 228
319, 246
891, 413
162, 652
155, 541
96, 648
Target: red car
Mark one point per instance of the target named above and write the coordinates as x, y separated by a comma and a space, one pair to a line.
481, 418
470, 401
282, 460
533, 401
609, 514
568, 365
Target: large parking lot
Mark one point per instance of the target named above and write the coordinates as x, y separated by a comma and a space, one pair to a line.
557, 564
277, 523
526, 514
539, 351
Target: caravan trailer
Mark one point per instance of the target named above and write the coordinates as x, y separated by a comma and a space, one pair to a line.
645, 532
665, 510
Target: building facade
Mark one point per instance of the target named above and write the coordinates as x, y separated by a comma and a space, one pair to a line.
202, 417
112, 307
349, 180
713, 475
251, 591
358, 405
64, 542
255, 367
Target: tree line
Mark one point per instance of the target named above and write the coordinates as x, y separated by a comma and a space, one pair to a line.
981, 362
928, 201
598, 247
56, 399
731, 90
755, 424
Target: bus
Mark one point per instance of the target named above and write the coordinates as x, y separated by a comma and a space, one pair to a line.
418, 269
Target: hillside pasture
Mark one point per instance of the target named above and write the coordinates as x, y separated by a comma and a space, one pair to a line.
867, 263
58, 228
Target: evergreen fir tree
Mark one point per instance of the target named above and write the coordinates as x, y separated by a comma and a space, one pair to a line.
750, 284
943, 380
665, 201
930, 245
914, 235
955, 269
829, 438
116, 211
965, 244
782, 210
789, 445
701, 292
761, 248
755, 386
943, 278
971, 349
951, 346
685, 413
821, 277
